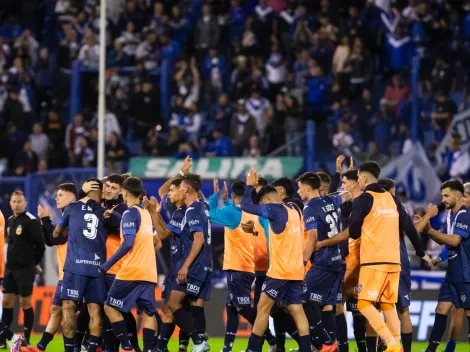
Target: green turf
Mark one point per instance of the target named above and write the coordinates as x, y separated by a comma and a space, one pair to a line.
241, 343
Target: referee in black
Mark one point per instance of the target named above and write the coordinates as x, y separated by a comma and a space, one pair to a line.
25, 251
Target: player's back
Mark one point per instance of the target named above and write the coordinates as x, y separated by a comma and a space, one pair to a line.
86, 249
140, 263
239, 247
326, 213
380, 235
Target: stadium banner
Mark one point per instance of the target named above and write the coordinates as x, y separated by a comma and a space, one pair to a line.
413, 172
222, 168
460, 124
422, 308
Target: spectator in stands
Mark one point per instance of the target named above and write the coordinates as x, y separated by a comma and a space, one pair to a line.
372, 153
83, 155
134, 14
340, 57
301, 67
42, 166
4, 54
188, 81
219, 147
69, 48
303, 34
396, 94
222, 114
275, 70
343, 140
130, 39
293, 126
15, 141
407, 203
317, 86
147, 52
174, 141
13, 109
117, 56
260, 108
254, 148
192, 123
111, 125
44, 78
360, 67
185, 149
180, 27
54, 129
159, 20
399, 49
237, 19
27, 158
445, 111
39, 141
241, 78
457, 161
116, 155
90, 52
30, 45
213, 72
73, 133
145, 108
242, 127
442, 76
154, 145
207, 32
118, 104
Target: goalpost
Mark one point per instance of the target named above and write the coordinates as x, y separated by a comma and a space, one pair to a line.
101, 91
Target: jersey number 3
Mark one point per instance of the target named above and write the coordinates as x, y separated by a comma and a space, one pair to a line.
91, 226
332, 220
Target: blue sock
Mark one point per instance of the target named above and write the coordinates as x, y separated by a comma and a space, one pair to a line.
94, 343
46, 338
342, 333
254, 343
407, 340
120, 331
450, 347
438, 330
148, 335
69, 344
165, 334
305, 344
231, 328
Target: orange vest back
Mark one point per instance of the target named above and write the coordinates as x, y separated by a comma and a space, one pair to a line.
239, 253
113, 242
285, 250
61, 255
260, 248
2, 245
140, 263
380, 236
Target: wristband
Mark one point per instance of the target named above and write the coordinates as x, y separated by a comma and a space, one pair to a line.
181, 173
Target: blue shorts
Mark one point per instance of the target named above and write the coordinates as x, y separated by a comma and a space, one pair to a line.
323, 287
458, 294
76, 287
284, 291
404, 291
108, 281
169, 282
196, 288
123, 295
56, 300
239, 288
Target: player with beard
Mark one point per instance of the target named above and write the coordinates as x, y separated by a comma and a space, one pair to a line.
66, 193
456, 286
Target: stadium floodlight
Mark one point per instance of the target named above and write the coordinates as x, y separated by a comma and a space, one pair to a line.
101, 90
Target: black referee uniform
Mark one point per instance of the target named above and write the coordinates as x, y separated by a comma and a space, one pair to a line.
25, 250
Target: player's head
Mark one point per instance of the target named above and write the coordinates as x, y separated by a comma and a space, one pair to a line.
112, 186
308, 183
126, 176
268, 194
132, 189
66, 193
173, 194
325, 182
190, 185
238, 189
368, 173
452, 192
387, 184
466, 195
18, 202
95, 194
284, 186
349, 181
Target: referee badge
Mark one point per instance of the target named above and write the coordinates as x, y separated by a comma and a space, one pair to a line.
19, 230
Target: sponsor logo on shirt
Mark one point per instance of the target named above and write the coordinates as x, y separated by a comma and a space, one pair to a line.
128, 225
272, 292
387, 213
175, 223
72, 293
372, 294
316, 297
87, 262
461, 226
244, 300
193, 222
338, 257
193, 288
310, 219
116, 302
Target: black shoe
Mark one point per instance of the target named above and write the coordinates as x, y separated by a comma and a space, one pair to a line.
3, 346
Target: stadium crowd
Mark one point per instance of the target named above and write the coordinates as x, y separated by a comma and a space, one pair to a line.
246, 77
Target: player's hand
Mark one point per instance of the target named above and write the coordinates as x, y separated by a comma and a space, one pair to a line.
248, 226
216, 186
152, 205
183, 274
102, 270
225, 194
90, 186
339, 163
42, 212
436, 261
187, 164
351, 163
252, 178
38, 269
432, 210
107, 213
428, 261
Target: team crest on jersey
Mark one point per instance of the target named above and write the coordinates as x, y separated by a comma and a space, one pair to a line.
359, 288
463, 298
19, 230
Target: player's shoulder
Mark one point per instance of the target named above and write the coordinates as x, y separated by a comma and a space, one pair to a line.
30, 216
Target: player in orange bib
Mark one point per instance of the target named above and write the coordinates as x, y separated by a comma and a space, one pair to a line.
284, 279
136, 280
376, 218
66, 193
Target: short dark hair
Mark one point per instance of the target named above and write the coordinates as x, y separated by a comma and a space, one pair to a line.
351, 175
265, 190
238, 188
387, 184
371, 167
126, 176
177, 182
134, 186
285, 183
455, 185
115, 178
193, 180
68, 187
311, 179
324, 177
262, 182
97, 180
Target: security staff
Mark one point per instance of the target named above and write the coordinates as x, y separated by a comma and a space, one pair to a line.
25, 250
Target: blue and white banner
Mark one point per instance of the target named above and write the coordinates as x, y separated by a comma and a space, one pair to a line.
460, 124
414, 172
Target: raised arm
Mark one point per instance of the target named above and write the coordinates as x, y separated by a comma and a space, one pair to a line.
154, 208
185, 169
